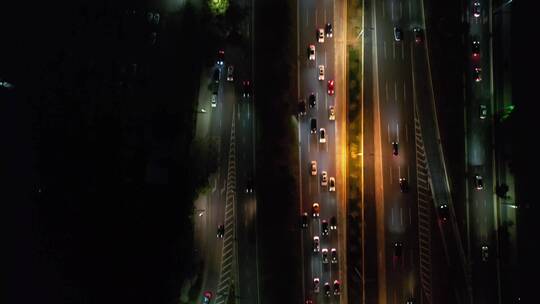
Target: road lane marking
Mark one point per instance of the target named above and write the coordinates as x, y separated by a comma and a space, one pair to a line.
385, 90
307, 17
403, 52
391, 177
400, 9
388, 127
392, 216
316, 17
384, 48
383, 9
392, 9
406, 133
317, 97
401, 216
397, 132
408, 172
404, 93
395, 90
410, 8
410, 217
394, 51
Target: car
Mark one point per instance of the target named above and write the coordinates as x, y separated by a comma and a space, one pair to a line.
403, 185
214, 100
302, 107
410, 301
322, 138
320, 35
483, 111
333, 223
313, 126
398, 34
321, 72
311, 52
324, 179
337, 289
316, 285
324, 228
152, 18
443, 212
309, 301
316, 244
332, 185
249, 185
397, 249
246, 89
485, 253
207, 296
476, 9
312, 100
327, 289
477, 74
418, 38
313, 167
476, 48
325, 256
331, 87
221, 57
216, 75
328, 30
333, 255
331, 113
230, 72
395, 150
305, 220
152, 38
478, 182
220, 231
315, 210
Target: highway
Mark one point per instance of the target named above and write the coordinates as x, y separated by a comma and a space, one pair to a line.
395, 119
481, 218
313, 15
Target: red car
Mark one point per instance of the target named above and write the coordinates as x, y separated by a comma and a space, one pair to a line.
207, 296
330, 87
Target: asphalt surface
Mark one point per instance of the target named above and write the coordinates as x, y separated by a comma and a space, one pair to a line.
311, 16
481, 209
399, 273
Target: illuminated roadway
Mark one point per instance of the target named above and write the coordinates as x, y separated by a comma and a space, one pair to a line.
311, 16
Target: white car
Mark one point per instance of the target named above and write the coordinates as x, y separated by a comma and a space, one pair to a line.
316, 285
331, 113
334, 256
320, 35
230, 72
316, 244
321, 72
324, 179
322, 138
325, 256
332, 186
311, 52
313, 167
214, 100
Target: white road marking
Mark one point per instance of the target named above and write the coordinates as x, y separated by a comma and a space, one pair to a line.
401, 216
392, 215
397, 132
388, 127
410, 8
406, 133
404, 93
400, 9
383, 10
391, 177
384, 48
392, 9
385, 90
403, 52
395, 90
394, 51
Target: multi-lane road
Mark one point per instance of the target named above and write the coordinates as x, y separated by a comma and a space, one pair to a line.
312, 16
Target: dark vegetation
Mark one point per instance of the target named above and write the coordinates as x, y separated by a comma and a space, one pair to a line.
100, 131
278, 218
